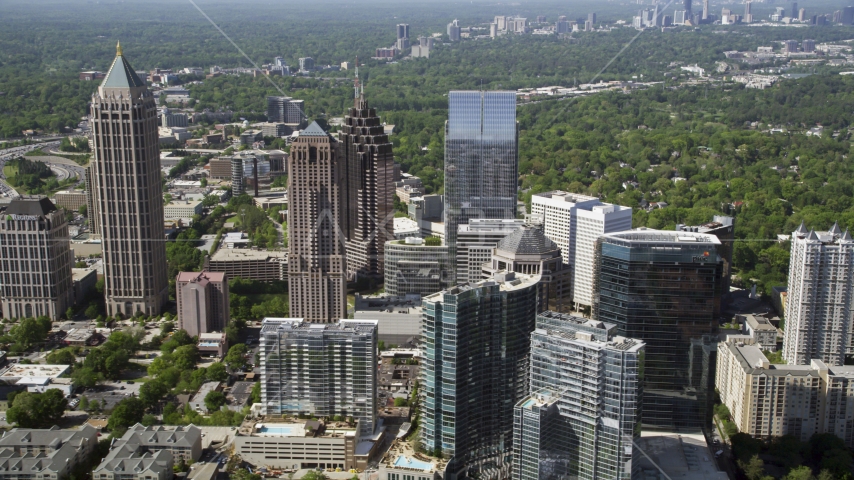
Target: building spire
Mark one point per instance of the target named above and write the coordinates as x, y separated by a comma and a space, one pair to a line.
356, 84
119, 48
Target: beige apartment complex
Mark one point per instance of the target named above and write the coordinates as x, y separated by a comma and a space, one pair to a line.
127, 191
35, 272
71, 199
316, 261
202, 302
768, 400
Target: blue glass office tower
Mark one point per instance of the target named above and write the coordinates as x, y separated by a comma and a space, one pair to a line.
664, 289
481, 159
477, 340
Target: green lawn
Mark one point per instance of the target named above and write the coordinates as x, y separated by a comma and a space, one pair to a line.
10, 171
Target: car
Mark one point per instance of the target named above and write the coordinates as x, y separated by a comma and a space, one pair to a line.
130, 382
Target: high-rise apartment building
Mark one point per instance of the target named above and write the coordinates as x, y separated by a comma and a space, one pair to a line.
820, 295
317, 264
203, 305
128, 192
475, 242
475, 369
663, 288
569, 428
368, 189
35, 271
285, 110
591, 17
768, 400
574, 222
705, 10
322, 370
808, 45
481, 159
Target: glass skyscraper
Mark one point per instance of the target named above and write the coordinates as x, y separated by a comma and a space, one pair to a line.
481, 159
475, 369
664, 288
583, 414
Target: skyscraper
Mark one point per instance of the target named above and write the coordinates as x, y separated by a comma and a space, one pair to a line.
454, 31
128, 192
578, 429
481, 159
476, 345
322, 370
664, 288
794, 10
35, 271
368, 188
687, 7
820, 296
574, 222
705, 10
317, 262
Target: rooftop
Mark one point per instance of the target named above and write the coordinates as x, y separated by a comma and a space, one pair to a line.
237, 254
507, 282
272, 325
527, 241
37, 206
313, 130
201, 277
48, 371
562, 196
663, 237
121, 74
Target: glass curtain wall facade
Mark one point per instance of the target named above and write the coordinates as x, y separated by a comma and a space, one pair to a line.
319, 369
664, 289
594, 378
475, 369
481, 159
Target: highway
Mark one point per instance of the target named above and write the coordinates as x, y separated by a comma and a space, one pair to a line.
8, 154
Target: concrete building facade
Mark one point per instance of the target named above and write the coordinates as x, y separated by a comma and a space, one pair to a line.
574, 222
45, 454
203, 304
35, 271
317, 264
128, 192
475, 241
412, 267
71, 200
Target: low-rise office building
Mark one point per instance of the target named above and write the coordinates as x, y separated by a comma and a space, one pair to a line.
761, 330
70, 199
182, 209
45, 454
398, 318
83, 281
261, 265
213, 343
220, 168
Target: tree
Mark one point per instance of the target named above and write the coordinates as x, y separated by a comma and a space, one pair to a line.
235, 358
91, 311
216, 372
214, 400
314, 475
29, 331
256, 393
127, 413
753, 469
400, 402
84, 403
204, 182
86, 377
185, 357
800, 473
153, 391
37, 410
62, 356
69, 313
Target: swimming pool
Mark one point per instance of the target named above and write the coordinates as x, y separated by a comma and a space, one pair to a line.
528, 403
281, 430
412, 463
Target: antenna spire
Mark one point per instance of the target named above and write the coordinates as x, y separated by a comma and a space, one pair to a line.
356, 84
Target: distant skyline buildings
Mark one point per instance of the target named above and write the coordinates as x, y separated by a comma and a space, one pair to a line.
285, 110
128, 193
481, 158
